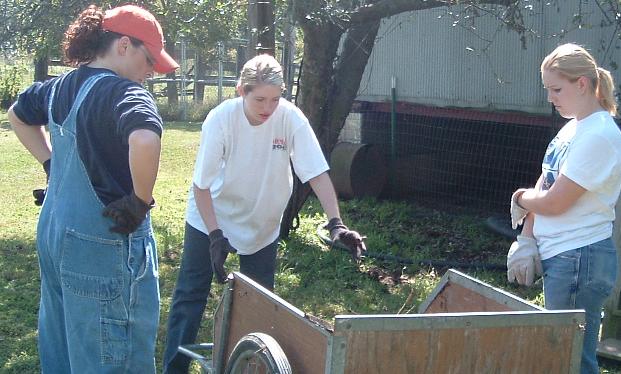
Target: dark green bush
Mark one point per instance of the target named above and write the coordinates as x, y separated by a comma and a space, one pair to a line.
194, 112
11, 83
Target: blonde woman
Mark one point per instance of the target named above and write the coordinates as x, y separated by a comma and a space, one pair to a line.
568, 215
242, 183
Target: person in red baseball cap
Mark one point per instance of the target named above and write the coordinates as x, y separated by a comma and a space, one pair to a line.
99, 307
138, 23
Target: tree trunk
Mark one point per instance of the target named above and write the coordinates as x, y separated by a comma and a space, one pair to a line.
261, 27
296, 202
351, 63
172, 92
330, 113
320, 48
41, 64
324, 82
199, 73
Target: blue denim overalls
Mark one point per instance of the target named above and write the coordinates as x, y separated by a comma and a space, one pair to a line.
99, 308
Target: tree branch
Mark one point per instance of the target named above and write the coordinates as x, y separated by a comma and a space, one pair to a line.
387, 8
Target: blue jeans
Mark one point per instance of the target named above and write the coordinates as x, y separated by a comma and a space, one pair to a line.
99, 307
192, 291
582, 279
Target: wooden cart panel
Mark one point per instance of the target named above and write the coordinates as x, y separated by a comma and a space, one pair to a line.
459, 293
482, 330
507, 342
304, 339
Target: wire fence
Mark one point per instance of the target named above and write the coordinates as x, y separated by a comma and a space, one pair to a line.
453, 157
199, 76
441, 156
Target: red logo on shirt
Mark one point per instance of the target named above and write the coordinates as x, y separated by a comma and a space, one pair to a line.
279, 144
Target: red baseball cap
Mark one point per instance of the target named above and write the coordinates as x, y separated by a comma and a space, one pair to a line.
138, 23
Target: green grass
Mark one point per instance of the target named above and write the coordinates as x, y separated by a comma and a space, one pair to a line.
311, 276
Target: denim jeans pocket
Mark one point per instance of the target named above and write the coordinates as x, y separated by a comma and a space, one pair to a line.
560, 280
142, 260
114, 341
563, 265
602, 264
91, 267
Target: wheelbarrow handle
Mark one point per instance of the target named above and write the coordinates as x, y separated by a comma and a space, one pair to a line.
190, 351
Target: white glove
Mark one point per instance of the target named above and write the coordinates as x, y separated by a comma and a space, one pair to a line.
523, 261
517, 212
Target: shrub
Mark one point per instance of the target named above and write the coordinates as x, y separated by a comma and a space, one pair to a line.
194, 112
11, 83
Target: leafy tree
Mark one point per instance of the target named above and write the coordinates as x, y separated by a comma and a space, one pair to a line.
37, 26
200, 23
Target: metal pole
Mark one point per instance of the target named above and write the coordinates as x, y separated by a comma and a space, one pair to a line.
196, 72
393, 132
183, 80
288, 53
220, 70
261, 22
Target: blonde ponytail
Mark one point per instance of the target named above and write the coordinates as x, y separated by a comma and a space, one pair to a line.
605, 91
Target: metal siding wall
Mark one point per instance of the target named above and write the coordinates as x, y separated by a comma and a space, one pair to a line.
430, 59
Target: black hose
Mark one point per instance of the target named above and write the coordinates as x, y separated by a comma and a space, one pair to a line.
409, 261
297, 83
501, 225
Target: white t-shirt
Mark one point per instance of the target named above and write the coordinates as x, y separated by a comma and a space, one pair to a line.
247, 169
589, 153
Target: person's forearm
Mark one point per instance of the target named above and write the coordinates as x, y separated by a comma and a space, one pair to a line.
144, 160
527, 228
204, 203
533, 192
535, 201
323, 188
561, 196
34, 138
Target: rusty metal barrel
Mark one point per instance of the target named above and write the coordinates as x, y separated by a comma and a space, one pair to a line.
357, 170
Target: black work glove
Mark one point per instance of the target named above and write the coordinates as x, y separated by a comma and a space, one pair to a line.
39, 194
127, 213
219, 250
350, 239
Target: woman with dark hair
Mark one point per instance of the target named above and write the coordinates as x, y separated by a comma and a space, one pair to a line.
99, 308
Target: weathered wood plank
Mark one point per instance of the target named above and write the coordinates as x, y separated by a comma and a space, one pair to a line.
254, 309
472, 349
458, 299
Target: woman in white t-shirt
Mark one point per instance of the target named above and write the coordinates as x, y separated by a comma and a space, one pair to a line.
241, 185
568, 215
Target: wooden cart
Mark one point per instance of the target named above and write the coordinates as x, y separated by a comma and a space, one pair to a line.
464, 326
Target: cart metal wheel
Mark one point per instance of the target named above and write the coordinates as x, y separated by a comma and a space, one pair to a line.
257, 353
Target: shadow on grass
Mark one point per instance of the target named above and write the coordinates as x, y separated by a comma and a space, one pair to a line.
183, 126
173, 125
19, 306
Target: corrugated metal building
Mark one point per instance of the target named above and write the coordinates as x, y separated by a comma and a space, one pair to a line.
472, 117
438, 64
